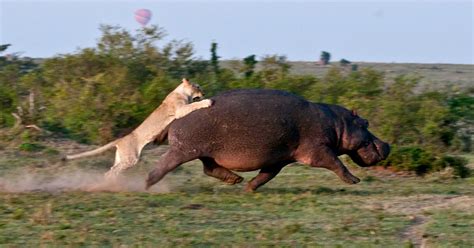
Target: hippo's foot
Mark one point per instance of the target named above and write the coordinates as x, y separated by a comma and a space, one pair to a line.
350, 179
234, 180
266, 174
249, 189
211, 168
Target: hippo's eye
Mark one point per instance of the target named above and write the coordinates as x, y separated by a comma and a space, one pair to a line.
363, 123
365, 143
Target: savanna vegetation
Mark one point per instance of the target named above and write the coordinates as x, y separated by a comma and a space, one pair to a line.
98, 93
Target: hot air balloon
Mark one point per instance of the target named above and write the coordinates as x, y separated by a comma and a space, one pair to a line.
143, 16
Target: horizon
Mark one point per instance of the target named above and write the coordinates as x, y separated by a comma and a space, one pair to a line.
332, 62
363, 32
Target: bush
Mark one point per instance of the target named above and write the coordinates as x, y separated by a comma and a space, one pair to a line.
422, 161
31, 147
457, 163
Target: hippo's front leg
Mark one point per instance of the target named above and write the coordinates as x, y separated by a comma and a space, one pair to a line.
326, 158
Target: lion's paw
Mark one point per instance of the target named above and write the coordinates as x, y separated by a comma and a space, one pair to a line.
207, 103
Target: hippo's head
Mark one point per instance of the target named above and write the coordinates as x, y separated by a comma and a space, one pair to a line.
361, 145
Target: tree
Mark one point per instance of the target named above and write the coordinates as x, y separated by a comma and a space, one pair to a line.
344, 62
460, 121
249, 65
354, 67
17, 95
4, 47
214, 59
398, 112
324, 58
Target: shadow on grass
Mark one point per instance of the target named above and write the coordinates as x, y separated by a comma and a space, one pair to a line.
319, 191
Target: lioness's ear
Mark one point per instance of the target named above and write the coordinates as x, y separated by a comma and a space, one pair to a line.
185, 81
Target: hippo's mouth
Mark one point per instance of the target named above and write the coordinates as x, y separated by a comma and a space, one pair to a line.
371, 154
358, 159
383, 149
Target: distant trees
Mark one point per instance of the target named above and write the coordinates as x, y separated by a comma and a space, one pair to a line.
4, 47
274, 67
214, 59
17, 93
344, 62
249, 65
354, 67
324, 58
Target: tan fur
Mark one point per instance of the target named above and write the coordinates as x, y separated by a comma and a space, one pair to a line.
176, 105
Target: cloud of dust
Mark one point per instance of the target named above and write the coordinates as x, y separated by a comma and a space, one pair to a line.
75, 180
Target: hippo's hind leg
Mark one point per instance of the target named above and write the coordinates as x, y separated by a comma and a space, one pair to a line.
168, 161
211, 168
266, 174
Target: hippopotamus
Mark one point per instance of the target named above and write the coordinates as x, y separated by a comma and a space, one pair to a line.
259, 129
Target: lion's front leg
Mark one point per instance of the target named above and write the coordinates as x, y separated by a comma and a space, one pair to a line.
188, 108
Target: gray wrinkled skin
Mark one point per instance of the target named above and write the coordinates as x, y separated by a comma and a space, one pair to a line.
265, 130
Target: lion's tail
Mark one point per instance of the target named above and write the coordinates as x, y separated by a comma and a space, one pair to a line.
93, 152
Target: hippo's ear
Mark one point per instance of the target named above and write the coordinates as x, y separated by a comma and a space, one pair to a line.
354, 112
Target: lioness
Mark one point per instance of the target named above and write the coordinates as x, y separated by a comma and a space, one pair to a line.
176, 105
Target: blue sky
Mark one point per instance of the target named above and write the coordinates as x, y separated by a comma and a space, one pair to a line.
372, 31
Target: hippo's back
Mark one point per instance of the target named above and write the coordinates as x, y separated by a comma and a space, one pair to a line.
257, 101
250, 125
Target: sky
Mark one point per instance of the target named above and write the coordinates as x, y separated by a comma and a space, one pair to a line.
404, 31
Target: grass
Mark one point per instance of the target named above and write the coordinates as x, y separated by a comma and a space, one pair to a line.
302, 206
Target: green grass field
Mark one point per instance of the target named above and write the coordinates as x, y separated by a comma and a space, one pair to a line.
302, 206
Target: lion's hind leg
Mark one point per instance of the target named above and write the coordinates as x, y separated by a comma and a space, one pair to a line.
126, 157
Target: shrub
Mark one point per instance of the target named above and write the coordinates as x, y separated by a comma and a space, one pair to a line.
422, 161
31, 147
457, 163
